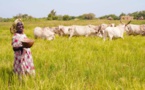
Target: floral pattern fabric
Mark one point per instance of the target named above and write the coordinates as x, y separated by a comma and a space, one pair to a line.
23, 61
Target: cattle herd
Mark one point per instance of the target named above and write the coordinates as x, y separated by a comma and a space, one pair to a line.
103, 30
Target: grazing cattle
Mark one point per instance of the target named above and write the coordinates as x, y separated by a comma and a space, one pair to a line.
48, 34
44, 33
96, 28
114, 32
63, 30
55, 30
81, 31
38, 32
102, 27
133, 29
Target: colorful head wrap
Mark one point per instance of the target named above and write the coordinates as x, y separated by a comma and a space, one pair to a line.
13, 27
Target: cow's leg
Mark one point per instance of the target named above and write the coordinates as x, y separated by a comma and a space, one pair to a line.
122, 37
86, 35
104, 36
110, 37
71, 34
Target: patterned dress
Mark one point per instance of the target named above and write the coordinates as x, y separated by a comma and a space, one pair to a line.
23, 61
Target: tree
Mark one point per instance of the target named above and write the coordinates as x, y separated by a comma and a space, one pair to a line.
18, 16
52, 15
23, 16
66, 17
88, 16
113, 16
137, 14
122, 14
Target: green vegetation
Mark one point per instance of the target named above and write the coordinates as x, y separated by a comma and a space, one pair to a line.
138, 15
77, 64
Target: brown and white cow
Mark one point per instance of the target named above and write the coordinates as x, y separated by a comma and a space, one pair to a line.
63, 30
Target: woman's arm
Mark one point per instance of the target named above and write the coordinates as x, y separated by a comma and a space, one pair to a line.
18, 48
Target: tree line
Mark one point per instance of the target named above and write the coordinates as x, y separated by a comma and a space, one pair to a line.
88, 16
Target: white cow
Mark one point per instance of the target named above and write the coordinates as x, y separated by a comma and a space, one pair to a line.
81, 31
63, 30
133, 29
114, 32
48, 34
44, 33
55, 30
38, 32
96, 28
102, 27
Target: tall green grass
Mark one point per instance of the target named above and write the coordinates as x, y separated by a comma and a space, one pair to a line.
77, 64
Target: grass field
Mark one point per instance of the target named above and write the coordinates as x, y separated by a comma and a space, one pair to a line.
77, 64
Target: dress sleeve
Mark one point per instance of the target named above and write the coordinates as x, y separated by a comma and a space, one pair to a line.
16, 41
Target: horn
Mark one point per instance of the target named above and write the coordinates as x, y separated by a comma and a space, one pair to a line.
127, 23
121, 21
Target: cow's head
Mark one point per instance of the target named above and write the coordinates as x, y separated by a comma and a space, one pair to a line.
94, 29
142, 28
127, 26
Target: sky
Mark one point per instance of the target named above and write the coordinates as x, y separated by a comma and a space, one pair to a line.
41, 8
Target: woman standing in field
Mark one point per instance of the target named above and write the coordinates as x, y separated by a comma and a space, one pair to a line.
23, 61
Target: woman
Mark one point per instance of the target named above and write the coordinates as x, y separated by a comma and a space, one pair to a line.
23, 61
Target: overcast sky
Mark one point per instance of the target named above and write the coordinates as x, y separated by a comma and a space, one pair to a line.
41, 8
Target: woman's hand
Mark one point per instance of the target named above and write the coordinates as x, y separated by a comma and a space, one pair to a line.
17, 48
